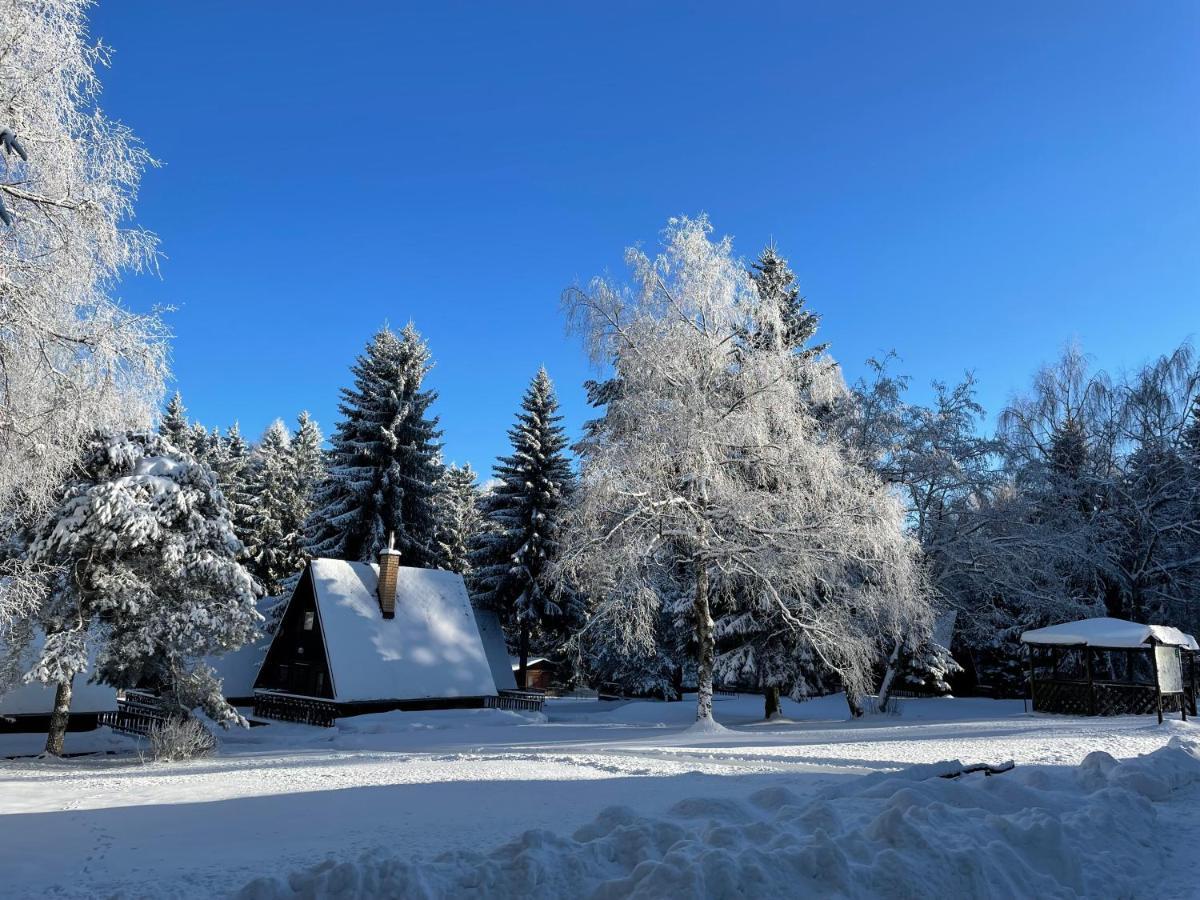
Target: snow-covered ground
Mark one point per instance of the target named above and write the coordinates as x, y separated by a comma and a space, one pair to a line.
607, 800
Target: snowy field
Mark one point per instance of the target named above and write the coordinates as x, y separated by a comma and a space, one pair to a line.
610, 800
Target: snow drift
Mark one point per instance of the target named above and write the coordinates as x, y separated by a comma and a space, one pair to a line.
1039, 831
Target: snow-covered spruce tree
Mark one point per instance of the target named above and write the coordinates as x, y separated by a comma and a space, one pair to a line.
206, 446
308, 462
174, 424
383, 465
458, 517
305, 469
229, 457
73, 359
707, 472
272, 543
147, 572
524, 512
789, 324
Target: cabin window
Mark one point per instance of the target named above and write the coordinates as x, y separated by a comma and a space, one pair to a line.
283, 674
309, 618
320, 682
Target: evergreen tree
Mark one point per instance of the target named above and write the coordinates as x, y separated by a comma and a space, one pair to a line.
146, 573
174, 424
384, 462
229, 457
789, 324
459, 520
305, 466
272, 543
201, 444
308, 462
524, 512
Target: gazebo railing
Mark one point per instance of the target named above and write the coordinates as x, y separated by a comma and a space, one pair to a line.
1057, 692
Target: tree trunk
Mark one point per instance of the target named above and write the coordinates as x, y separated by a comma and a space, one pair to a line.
706, 650
58, 719
523, 666
771, 701
893, 668
856, 709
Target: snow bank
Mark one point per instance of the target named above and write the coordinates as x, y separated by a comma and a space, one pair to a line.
1042, 831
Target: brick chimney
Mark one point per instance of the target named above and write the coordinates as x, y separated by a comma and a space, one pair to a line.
389, 566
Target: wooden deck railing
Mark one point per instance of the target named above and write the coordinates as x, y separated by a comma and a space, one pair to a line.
528, 701
137, 713
294, 708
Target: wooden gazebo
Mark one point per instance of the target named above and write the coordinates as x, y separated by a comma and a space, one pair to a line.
1111, 667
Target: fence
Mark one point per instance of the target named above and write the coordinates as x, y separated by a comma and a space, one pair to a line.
137, 713
528, 701
293, 708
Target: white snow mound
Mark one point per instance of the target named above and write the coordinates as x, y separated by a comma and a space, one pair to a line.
1041, 831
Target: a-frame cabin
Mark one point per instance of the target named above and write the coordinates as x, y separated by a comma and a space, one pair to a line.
358, 637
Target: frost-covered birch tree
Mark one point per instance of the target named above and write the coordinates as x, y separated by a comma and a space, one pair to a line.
71, 359
707, 470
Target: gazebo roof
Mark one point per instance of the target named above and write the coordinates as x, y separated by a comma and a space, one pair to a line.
1109, 633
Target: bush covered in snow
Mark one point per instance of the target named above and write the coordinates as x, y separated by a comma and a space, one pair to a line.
181, 737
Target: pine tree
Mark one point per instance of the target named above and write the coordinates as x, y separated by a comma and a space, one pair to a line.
459, 521
201, 443
308, 462
271, 541
524, 512
229, 457
792, 326
174, 424
146, 573
305, 471
384, 461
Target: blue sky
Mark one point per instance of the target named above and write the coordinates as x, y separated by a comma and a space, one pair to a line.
972, 185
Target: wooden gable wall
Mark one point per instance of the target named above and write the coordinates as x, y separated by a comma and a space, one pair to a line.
297, 662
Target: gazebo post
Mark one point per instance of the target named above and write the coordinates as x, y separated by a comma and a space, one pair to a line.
1183, 694
1192, 677
1087, 665
1029, 662
1157, 683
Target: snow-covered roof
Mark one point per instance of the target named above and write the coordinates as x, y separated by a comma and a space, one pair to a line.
432, 648
497, 652
239, 668
1105, 632
532, 661
37, 699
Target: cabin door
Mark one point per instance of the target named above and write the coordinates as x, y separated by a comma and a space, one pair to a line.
300, 679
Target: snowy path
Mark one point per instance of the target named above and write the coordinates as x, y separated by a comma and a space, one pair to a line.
286, 797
